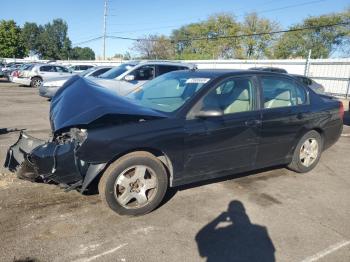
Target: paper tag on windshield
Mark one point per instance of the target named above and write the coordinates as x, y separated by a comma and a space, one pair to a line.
197, 80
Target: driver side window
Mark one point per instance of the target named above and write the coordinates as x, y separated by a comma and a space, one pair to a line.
231, 96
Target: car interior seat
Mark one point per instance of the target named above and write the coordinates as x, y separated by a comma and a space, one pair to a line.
282, 98
239, 99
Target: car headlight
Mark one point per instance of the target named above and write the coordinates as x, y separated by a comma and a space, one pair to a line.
54, 83
78, 134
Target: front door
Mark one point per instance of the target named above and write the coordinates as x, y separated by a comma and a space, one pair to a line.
224, 143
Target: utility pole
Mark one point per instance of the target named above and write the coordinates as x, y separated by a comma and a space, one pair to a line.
104, 29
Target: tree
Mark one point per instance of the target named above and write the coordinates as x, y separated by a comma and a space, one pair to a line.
258, 46
82, 53
154, 47
30, 36
53, 41
323, 41
219, 25
11, 44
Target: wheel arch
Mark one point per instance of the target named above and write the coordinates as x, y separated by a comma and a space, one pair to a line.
36, 76
163, 157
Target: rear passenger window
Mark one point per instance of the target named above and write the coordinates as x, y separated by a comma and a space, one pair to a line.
61, 69
279, 92
47, 69
162, 69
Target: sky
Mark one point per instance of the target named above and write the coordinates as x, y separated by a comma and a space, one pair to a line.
138, 18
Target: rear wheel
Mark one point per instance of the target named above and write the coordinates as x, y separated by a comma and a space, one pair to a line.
36, 82
134, 185
307, 153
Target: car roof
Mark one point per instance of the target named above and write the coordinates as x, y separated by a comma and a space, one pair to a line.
157, 62
214, 73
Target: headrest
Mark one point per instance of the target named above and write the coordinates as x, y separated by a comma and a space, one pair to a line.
283, 94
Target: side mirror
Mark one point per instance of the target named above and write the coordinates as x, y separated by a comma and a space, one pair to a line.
209, 113
129, 78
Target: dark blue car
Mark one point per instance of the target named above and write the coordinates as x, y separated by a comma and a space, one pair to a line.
182, 127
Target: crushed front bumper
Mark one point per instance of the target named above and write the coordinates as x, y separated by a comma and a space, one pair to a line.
53, 161
32, 158
19, 151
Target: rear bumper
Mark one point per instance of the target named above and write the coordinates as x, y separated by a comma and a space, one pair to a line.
22, 81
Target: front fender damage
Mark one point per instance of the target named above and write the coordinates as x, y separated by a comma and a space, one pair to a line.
52, 161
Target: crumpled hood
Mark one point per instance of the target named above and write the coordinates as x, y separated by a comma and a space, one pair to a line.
80, 101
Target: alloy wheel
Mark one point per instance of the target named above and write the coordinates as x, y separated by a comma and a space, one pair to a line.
135, 187
308, 152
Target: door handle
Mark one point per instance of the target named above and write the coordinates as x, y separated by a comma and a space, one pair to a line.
252, 122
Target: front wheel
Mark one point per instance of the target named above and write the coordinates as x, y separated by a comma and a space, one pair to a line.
134, 185
307, 153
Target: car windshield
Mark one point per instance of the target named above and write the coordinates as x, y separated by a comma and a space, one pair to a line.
117, 71
85, 72
168, 92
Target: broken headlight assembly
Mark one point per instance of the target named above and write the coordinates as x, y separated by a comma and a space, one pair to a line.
79, 135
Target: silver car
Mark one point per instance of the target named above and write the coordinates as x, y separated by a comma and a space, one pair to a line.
318, 88
137, 75
49, 88
37, 73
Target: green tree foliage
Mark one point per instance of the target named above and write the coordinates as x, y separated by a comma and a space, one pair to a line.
54, 42
11, 44
30, 36
82, 53
257, 46
220, 25
322, 41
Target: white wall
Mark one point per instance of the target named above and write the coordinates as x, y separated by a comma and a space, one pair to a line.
333, 74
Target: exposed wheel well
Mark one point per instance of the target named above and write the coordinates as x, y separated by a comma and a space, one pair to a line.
36, 77
157, 153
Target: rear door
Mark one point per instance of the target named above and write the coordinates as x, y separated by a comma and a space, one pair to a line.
285, 113
163, 69
47, 71
227, 142
62, 71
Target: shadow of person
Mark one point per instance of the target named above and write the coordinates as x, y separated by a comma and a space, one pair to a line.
232, 237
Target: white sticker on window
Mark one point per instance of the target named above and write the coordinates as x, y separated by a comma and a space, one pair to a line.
197, 80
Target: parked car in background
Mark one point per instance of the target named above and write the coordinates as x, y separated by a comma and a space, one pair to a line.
79, 68
37, 73
182, 127
138, 75
270, 69
49, 88
11, 74
318, 88
10, 68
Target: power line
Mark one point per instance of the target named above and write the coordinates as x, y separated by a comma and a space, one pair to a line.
233, 36
241, 15
219, 37
88, 41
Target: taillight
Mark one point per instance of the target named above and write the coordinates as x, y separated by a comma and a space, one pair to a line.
341, 110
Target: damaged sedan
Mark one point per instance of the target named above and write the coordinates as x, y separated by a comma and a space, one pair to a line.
180, 128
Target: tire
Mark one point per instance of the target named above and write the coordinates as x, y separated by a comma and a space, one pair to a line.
138, 174
305, 150
36, 82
